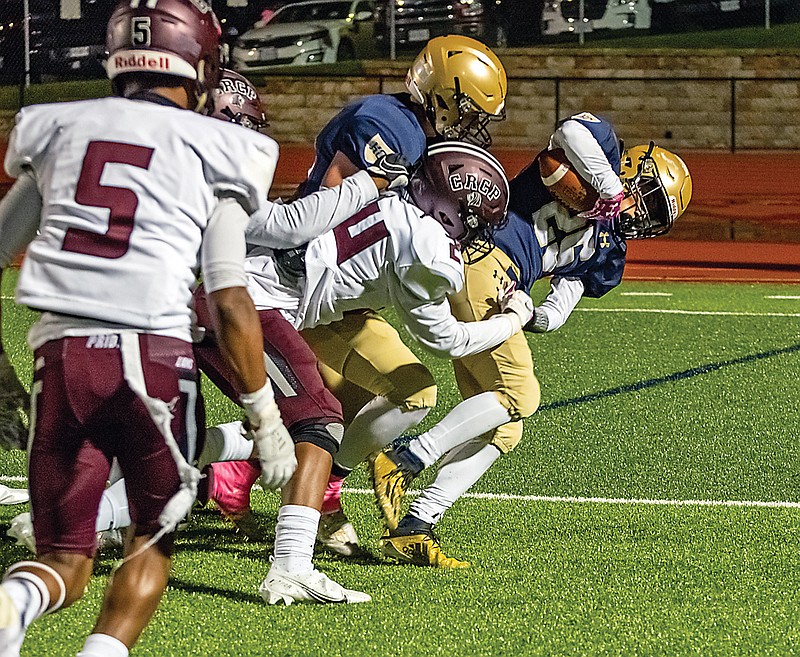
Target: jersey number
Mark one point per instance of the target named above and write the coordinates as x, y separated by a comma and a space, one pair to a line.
120, 201
349, 244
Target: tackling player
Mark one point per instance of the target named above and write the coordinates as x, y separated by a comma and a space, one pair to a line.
456, 88
583, 257
392, 253
133, 191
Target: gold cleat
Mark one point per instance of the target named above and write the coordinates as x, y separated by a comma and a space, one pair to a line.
419, 550
390, 481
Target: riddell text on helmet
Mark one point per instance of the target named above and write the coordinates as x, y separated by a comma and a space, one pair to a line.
139, 62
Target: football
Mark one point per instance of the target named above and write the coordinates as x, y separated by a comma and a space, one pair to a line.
564, 182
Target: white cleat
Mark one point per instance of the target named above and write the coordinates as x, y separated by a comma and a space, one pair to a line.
10, 496
337, 534
11, 632
314, 586
22, 530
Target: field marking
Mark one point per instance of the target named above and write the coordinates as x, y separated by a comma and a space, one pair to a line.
673, 311
566, 500
645, 294
783, 296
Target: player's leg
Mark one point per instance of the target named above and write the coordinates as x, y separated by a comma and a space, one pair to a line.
67, 475
384, 389
157, 439
314, 419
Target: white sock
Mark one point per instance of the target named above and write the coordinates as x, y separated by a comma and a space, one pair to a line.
30, 595
225, 442
103, 645
473, 417
459, 470
377, 424
295, 535
113, 512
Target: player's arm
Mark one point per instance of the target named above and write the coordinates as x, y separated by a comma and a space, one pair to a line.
238, 331
432, 324
553, 312
587, 156
287, 225
340, 168
20, 213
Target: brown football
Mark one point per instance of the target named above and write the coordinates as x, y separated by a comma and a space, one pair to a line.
564, 182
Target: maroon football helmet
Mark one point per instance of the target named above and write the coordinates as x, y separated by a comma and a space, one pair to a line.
236, 100
465, 189
168, 37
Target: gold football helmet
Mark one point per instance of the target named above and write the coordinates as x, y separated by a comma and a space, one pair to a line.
462, 85
658, 187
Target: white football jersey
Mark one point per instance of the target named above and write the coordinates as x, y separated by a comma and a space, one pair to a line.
388, 254
127, 189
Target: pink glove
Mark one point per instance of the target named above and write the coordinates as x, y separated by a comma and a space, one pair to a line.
605, 210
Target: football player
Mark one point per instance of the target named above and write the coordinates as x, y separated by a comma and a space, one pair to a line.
584, 256
395, 252
456, 88
118, 200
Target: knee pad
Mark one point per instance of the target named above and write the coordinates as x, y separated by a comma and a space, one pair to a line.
327, 436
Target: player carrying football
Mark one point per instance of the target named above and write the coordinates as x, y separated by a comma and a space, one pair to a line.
583, 256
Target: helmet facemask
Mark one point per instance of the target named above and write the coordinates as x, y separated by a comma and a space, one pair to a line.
465, 121
651, 213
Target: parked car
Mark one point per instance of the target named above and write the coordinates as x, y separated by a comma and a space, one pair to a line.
563, 16
307, 33
416, 21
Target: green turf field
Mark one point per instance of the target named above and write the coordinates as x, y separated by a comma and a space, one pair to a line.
633, 519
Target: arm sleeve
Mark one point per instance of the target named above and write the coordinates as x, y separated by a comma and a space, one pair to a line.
223, 250
587, 156
558, 305
287, 225
432, 324
20, 214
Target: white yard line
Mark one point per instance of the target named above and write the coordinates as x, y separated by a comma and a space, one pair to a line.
671, 311
783, 296
567, 500
645, 294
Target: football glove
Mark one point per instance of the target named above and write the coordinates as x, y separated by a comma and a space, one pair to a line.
605, 210
267, 431
517, 304
14, 406
393, 168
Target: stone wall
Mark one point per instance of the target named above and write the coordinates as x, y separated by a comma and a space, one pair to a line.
712, 99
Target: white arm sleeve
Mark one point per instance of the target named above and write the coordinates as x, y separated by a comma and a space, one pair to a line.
286, 225
586, 155
432, 324
558, 305
20, 214
223, 250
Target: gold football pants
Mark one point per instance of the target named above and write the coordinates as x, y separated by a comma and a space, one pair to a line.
362, 356
506, 370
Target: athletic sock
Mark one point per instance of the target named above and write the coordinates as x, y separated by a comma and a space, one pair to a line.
225, 442
472, 418
459, 470
377, 424
103, 645
295, 535
332, 500
29, 594
113, 512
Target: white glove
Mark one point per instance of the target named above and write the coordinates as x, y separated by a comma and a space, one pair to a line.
275, 445
516, 304
393, 168
14, 406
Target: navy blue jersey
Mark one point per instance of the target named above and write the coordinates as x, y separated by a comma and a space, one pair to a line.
366, 129
603, 133
543, 239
